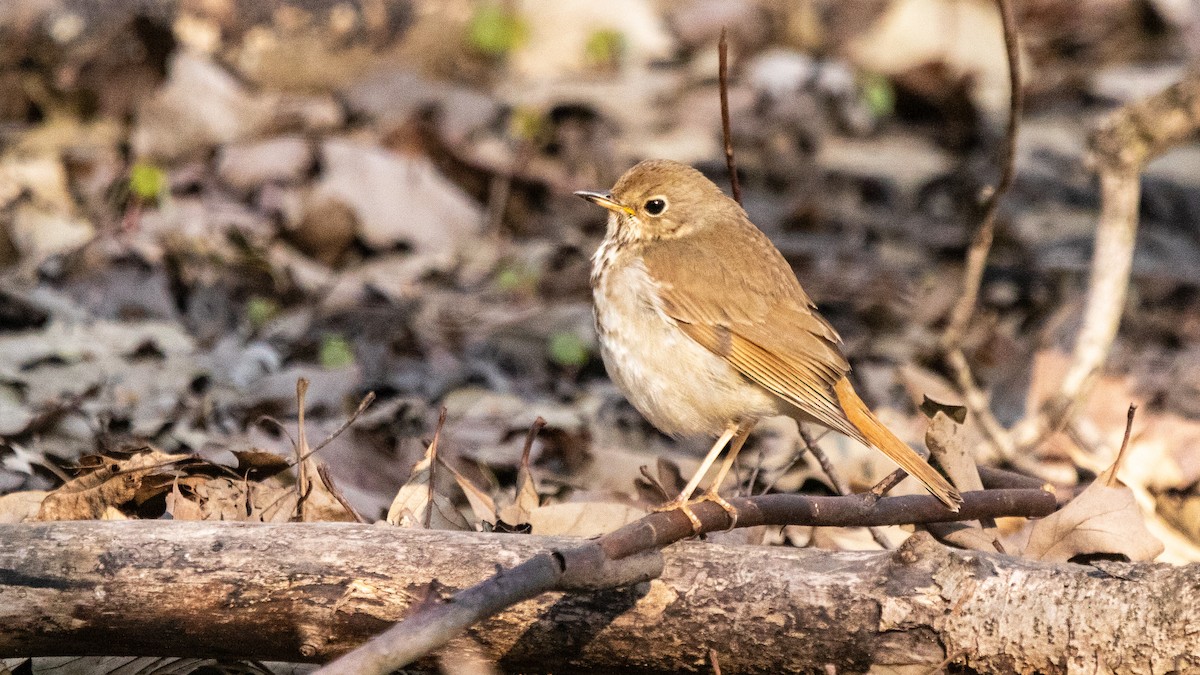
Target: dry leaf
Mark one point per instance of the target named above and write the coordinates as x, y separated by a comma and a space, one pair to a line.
481, 503
419, 504
98, 493
1180, 509
182, 508
1101, 519
258, 464
526, 501
582, 519
236, 500
396, 198
19, 507
321, 506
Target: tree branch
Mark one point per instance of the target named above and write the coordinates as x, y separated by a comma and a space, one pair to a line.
981, 243
307, 592
1121, 148
435, 625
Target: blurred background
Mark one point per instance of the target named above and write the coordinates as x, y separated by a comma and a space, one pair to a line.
203, 200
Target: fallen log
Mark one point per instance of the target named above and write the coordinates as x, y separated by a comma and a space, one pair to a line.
308, 592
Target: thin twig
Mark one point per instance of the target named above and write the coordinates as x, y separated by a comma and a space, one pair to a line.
1112, 475
362, 407
716, 663
977, 255
839, 483
796, 458
889, 481
323, 472
726, 127
530, 437
981, 243
303, 480
1120, 149
433, 448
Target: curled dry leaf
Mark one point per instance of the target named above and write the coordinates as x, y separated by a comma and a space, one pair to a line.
180, 507
321, 505
232, 500
482, 504
526, 500
1101, 519
105, 490
271, 501
419, 504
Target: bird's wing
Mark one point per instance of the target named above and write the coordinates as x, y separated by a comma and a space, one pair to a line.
746, 306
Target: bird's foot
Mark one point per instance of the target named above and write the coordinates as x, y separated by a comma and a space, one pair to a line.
711, 495
681, 504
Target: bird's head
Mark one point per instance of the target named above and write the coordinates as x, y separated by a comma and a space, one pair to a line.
661, 199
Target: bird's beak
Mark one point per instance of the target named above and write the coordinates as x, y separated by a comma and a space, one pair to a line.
606, 200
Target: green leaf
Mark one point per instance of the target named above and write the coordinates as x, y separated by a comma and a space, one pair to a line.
604, 48
260, 310
336, 352
147, 181
568, 349
879, 95
526, 123
495, 31
517, 278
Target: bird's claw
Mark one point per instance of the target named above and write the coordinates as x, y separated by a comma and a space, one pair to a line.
686, 508
712, 496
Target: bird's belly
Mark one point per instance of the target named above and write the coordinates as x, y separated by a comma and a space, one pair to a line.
673, 381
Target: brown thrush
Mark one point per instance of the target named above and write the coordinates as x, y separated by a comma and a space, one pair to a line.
704, 327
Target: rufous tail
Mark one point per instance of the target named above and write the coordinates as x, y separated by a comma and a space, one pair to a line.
881, 437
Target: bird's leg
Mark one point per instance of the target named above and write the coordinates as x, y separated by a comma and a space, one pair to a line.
712, 493
681, 502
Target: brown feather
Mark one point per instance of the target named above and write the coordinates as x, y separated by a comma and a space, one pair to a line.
881, 437
748, 308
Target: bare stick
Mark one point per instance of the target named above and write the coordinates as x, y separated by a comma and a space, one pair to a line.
716, 663
839, 483
598, 563
977, 254
1121, 148
362, 407
889, 481
303, 480
726, 127
1112, 475
1000, 479
323, 472
981, 243
433, 448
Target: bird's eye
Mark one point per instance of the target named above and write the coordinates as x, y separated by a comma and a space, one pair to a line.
655, 206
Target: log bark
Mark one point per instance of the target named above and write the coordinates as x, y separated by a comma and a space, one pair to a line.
307, 592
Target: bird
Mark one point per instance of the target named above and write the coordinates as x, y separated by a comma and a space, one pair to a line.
705, 329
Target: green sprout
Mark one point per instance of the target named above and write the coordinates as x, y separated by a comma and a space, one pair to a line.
495, 30
260, 310
604, 48
336, 352
879, 95
147, 182
568, 349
